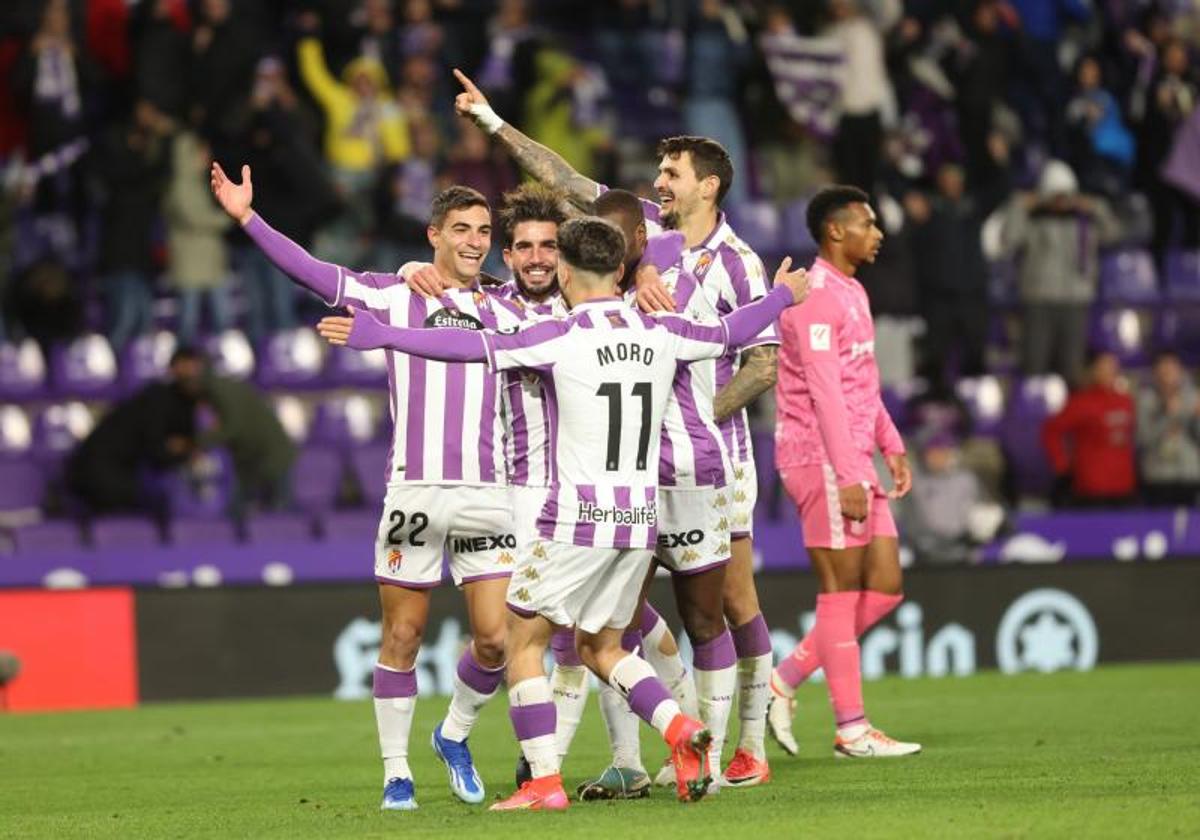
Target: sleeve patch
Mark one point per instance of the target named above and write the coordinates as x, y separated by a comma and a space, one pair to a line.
818, 336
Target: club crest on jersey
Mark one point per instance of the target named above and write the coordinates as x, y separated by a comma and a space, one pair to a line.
455, 319
394, 559
702, 265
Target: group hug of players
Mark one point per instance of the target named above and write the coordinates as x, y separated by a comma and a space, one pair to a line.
560, 435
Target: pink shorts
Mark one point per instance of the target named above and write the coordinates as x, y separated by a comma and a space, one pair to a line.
815, 491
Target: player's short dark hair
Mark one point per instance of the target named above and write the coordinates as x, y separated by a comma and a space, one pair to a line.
531, 202
828, 202
452, 198
592, 244
708, 158
619, 202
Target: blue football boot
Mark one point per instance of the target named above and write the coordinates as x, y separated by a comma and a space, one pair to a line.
464, 780
398, 795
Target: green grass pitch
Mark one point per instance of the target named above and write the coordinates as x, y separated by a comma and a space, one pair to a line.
1111, 753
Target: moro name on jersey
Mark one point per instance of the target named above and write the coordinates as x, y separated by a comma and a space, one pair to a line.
624, 351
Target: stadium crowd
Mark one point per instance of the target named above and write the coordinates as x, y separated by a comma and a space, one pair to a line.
1033, 163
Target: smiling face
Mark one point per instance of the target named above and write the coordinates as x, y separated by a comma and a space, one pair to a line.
680, 192
461, 242
533, 257
856, 232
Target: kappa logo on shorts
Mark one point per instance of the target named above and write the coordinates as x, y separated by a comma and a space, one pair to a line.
395, 557
539, 551
470, 544
723, 525
723, 549
739, 495
739, 474
522, 594
505, 559
681, 539
530, 573
722, 501
690, 556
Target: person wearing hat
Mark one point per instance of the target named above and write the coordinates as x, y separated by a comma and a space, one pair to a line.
1058, 233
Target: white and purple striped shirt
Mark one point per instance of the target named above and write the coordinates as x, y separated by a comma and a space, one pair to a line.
693, 451
448, 425
608, 372
731, 275
527, 447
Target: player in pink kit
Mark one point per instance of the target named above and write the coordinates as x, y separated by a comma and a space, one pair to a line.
830, 419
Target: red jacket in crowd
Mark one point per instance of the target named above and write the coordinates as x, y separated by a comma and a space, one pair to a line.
1092, 439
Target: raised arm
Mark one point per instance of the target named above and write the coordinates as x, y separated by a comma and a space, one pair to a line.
543, 164
363, 331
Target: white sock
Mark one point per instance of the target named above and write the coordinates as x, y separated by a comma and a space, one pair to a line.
569, 687
393, 718
853, 731
535, 726
622, 726
465, 704
671, 671
715, 690
754, 692
652, 703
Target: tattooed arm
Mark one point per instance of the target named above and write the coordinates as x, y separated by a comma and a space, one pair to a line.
755, 376
543, 164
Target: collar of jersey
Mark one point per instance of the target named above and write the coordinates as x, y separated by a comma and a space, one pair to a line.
831, 269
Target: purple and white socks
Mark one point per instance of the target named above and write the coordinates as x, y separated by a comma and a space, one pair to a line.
474, 685
534, 721
395, 699
752, 642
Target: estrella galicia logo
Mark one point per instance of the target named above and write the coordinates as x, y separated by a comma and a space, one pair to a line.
455, 319
1047, 630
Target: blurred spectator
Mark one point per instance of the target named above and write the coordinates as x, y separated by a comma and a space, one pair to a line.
1058, 233
474, 162
1166, 106
1102, 146
44, 302
866, 94
291, 189
718, 49
980, 67
152, 431
1168, 434
405, 198
379, 37
364, 130
557, 108
1040, 84
952, 275
1091, 441
131, 168
946, 516
222, 66
248, 427
161, 55
197, 257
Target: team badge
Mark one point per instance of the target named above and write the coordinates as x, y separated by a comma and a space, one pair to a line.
702, 265
394, 559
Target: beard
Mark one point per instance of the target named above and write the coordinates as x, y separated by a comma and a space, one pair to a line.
670, 219
529, 290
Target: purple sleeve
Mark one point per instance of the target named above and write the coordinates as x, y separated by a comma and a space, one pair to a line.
747, 322
441, 345
315, 275
664, 250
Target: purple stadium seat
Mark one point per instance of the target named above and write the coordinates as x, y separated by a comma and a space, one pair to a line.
1128, 277
22, 371
1030, 403
1183, 276
267, 528
124, 532
22, 484
145, 359
984, 398
16, 432
53, 536
758, 224
291, 359
1179, 330
201, 532
351, 524
345, 367
316, 479
230, 354
371, 466
1124, 332
293, 416
795, 239
345, 421
59, 428
204, 490
86, 367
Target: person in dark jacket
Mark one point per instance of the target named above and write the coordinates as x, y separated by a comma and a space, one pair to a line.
151, 431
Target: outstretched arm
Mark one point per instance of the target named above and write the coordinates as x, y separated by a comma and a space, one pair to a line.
363, 331
543, 164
